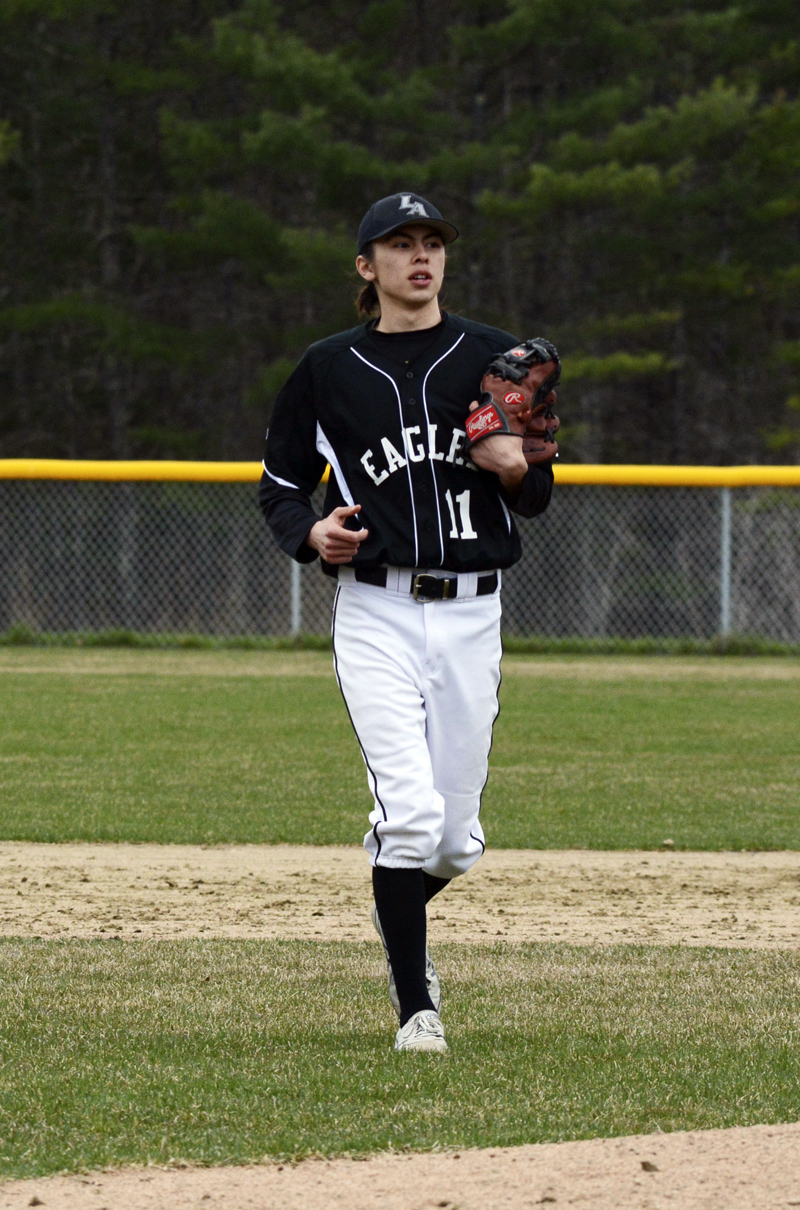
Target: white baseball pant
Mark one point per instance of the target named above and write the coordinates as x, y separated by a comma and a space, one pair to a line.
420, 682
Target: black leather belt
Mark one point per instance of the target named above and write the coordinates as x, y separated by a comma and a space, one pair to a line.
426, 587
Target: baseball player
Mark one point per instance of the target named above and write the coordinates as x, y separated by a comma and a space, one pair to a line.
417, 529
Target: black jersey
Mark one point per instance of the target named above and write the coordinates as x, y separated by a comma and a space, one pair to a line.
390, 422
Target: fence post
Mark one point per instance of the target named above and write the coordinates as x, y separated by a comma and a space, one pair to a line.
295, 599
725, 563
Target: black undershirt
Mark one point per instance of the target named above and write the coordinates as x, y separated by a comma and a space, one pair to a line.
402, 348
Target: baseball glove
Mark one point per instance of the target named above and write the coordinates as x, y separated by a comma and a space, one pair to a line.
517, 399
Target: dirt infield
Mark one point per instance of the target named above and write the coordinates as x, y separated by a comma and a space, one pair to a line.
749, 900
757, 1168
731, 899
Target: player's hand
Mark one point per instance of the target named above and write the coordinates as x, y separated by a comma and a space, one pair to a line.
501, 454
332, 541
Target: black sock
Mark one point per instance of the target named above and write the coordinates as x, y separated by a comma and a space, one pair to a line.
400, 900
433, 885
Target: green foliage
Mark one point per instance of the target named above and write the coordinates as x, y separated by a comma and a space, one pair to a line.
112, 329
21, 635
268, 382
9, 141
785, 438
186, 181
789, 352
617, 365
224, 227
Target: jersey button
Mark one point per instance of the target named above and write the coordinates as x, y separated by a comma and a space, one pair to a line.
428, 526
409, 373
411, 401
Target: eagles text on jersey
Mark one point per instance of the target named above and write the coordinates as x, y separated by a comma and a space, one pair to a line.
393, 433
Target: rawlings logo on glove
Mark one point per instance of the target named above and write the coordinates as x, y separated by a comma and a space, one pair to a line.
527, 412
484, 422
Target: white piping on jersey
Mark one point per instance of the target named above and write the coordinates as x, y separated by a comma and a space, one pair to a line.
408, 463
505, 510
283, 482
428, 422
326, 449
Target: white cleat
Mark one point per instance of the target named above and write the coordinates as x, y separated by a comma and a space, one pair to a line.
423, 1031
434, 987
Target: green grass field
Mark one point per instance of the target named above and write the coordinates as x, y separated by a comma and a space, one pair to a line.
227, 1051
187, 748
223, 1052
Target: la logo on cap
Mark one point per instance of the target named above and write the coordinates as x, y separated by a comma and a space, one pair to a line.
391, 213
415, 209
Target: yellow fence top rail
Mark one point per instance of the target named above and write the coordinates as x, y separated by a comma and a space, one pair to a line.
250, 472
128, 472
680, 476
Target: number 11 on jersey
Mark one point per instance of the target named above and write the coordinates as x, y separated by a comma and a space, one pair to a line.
462, 500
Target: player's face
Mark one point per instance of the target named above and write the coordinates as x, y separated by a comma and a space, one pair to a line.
407, 266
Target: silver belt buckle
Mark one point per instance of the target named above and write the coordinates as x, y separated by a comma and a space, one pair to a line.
447, 585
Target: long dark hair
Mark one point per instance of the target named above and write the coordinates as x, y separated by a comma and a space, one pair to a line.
367, 301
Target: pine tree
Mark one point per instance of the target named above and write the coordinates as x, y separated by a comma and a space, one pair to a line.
658, 218
79, 347
180, 203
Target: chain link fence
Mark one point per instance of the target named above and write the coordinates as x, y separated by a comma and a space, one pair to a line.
196, 558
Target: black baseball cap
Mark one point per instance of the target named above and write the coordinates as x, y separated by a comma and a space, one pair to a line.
392, 212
